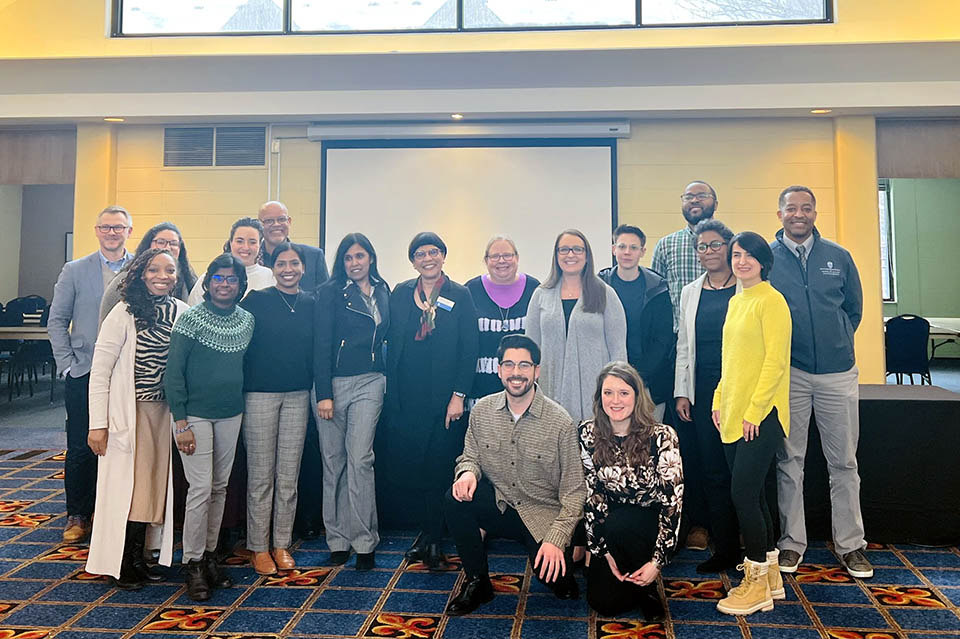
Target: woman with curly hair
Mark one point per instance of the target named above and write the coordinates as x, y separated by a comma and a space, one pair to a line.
130, 424
244, 242
166, 236
634, 495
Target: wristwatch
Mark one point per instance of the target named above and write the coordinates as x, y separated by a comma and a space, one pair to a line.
459, 394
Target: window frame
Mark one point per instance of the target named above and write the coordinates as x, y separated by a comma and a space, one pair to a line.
890, 273
116, 25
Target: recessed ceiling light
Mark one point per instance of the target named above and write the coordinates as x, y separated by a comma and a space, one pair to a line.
113, 120
821, 111
456, 116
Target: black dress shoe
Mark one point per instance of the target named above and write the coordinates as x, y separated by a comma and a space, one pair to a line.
473, 594
216, 575
198, 588
718, 563
566, 588
366, 560
650, 604
433, 559
339, 557
416, 549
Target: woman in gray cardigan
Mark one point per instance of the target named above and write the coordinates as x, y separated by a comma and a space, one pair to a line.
579, 324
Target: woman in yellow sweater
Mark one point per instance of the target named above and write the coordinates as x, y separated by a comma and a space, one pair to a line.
751, 409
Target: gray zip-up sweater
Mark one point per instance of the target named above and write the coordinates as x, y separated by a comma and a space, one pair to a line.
826, 304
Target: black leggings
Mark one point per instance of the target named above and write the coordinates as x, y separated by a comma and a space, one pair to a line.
749, 463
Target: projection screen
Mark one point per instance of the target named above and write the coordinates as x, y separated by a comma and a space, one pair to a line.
467, 192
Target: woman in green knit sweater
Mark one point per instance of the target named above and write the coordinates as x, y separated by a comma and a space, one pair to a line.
204, 387
751, 409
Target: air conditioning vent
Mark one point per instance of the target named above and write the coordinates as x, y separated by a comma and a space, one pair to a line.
215, 146
188, 146
241, 145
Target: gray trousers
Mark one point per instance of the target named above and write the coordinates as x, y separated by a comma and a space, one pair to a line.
207, 471
346, 442
274, 425
836, 399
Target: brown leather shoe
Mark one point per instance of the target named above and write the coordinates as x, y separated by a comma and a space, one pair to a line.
77, 529
263, 563
283, 559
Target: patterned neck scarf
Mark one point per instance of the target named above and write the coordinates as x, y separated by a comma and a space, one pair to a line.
429, 307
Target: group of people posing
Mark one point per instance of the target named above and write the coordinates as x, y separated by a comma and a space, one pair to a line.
534, 411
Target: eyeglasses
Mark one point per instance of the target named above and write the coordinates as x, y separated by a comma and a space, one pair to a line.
112, 228
419, 255
509, 365
273, 221
506, 257
229, 279
576, 250
632, 247
162, 243
713, 246
699, 197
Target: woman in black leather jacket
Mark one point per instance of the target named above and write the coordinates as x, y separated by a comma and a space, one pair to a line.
352, 317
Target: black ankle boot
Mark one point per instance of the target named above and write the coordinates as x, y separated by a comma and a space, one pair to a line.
216, 576
433, 559
416, 550
197, 587
651, 605
129, 578
137, 531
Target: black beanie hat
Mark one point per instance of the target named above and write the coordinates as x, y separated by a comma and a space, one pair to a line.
423, 239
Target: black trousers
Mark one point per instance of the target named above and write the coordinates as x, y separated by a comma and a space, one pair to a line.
631, 535
749, 465
695, 512
80, 468
466, 518
724, 530
430, 473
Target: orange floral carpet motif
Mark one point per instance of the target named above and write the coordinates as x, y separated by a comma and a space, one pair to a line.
403, 626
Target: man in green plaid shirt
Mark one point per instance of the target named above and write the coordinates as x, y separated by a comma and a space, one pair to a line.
675, 259
675, 256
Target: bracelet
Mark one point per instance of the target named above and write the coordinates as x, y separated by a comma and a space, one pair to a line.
180, 431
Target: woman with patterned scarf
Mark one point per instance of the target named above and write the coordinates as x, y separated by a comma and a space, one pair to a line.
431, 359
204, 385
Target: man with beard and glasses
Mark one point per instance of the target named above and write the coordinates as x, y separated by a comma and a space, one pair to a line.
675, 256
519, 477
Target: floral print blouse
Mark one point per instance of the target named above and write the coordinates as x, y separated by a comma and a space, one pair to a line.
658, 482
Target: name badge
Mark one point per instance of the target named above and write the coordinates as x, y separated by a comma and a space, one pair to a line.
445, 304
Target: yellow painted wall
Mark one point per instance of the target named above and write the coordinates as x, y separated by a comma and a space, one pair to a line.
747, 161
75, 28
205, 201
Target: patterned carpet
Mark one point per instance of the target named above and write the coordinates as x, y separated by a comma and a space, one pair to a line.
45, 593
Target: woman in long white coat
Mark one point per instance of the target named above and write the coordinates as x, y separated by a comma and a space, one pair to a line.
130, 425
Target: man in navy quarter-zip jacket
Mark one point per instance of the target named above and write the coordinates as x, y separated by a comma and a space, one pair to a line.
821, 284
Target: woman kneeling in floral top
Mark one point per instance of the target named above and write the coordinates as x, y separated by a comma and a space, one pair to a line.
634, 493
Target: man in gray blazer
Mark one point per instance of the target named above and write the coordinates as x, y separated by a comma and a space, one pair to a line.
72, 326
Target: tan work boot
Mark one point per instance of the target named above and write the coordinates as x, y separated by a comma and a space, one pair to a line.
752, 594
773, 575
